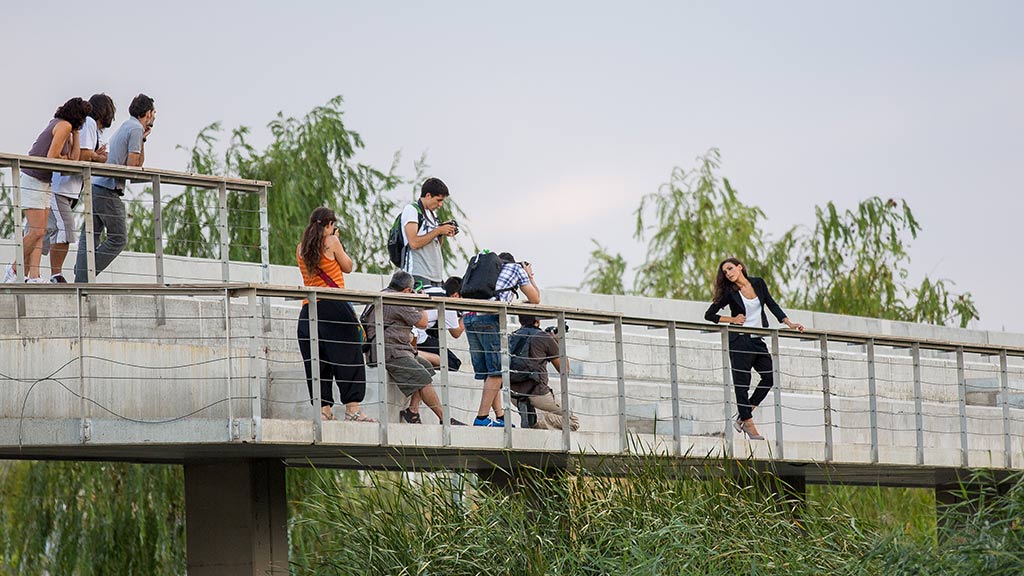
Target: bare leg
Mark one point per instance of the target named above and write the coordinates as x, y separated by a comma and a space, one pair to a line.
429, 396
58, 253
490, 398
434, 359
414, 402
33, 249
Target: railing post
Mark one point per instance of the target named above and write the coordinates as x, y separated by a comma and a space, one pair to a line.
382, 371
673, 371
314, 365
563, 377
19, 228
826, 393
915, 355
90, 239
961, 385
225, 241
728, 390
777, 394
872, 400
506, 384
255, 368
442, 354
232, 423
620, 374
158, 248
265, 255
1004, 388
83, 406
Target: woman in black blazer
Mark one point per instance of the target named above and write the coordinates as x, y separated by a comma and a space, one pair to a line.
747, 297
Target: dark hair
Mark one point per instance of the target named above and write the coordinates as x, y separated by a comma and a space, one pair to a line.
400, 280
140, 105
74, 111
433, 187
722, 284
452, 286
528, 320
506, 258
312, 247
103, 110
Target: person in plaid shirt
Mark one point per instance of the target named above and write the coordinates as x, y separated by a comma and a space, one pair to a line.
485, 339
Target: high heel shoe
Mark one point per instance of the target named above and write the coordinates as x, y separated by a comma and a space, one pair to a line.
741, 426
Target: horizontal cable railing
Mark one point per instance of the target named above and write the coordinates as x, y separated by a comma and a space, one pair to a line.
231, 351
148, 268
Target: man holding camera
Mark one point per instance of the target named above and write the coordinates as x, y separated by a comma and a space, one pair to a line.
532, 349
423, 234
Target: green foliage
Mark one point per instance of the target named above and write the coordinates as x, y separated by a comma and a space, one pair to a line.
311, 162
85, 519
851, 262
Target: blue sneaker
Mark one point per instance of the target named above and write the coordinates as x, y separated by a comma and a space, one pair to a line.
486, 421
501, 422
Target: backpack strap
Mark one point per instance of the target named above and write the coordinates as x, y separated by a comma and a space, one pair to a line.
327, 279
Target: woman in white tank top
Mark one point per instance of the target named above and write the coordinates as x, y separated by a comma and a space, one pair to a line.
747, 299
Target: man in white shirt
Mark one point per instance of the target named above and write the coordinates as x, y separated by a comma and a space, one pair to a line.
60, 229
423, 234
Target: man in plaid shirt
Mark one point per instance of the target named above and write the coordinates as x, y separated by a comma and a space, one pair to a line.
485, 339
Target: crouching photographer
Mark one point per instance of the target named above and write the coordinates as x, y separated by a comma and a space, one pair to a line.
531, 349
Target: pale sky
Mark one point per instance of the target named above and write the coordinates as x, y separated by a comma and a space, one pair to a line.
549, 120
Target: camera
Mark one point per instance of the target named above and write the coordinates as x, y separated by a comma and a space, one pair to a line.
453, 223
553, 330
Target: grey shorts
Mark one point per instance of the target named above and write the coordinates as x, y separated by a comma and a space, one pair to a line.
60, 229
409, 373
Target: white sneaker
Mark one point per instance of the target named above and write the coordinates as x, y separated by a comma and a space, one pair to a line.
10, 276
37, 281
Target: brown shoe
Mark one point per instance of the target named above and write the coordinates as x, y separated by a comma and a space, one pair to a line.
409, 416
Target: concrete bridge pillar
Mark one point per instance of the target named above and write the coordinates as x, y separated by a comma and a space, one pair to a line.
236, 518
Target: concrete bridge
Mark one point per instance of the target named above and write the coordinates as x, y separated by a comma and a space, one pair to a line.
205, 372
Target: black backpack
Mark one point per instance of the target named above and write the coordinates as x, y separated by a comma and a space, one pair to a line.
396, 241
481, 278
522, 367
369, 328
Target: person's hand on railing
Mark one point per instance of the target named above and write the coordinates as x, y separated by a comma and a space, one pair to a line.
794, 325
739, 320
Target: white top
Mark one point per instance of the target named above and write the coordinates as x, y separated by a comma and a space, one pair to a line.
425, 261
451, 317
753, 313
71, 184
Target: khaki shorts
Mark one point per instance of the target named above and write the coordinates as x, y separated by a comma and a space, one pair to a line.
35, 194
60, 228
409, 373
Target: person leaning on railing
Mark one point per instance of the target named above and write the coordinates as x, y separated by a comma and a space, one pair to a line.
323, 263
58, 140
747, 297
127, 148
60, 227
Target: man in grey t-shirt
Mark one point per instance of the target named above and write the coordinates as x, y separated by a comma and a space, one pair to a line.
422, 256
127, 147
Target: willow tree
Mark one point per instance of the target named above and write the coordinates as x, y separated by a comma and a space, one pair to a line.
849, 262
86, 518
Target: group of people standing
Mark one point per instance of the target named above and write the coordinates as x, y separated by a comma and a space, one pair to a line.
410, 338
48, 198
410, 333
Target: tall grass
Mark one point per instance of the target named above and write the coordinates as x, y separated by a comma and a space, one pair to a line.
651, 519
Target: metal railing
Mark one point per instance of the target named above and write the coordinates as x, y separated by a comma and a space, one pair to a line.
232, 351
158, 180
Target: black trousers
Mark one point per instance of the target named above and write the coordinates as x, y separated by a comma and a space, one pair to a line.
745, 354
341, 352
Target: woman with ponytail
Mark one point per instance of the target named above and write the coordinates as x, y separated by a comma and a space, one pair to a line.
747, 297
324, 263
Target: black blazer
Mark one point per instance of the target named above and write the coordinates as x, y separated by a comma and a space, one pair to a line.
734, 301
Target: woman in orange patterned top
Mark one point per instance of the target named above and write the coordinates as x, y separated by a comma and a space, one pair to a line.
323, 263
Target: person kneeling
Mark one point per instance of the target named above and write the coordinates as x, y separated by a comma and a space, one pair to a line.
531, 348
413, 375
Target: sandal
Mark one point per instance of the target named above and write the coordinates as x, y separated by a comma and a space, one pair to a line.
327, 416
409, 416
357, 417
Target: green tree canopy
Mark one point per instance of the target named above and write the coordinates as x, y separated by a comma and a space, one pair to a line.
850, 262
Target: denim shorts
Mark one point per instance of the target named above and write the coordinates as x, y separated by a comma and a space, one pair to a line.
484, 344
